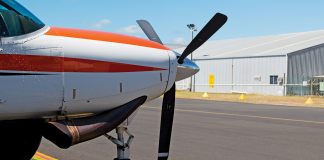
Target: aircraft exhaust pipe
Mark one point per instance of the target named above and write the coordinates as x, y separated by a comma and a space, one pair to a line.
67, 133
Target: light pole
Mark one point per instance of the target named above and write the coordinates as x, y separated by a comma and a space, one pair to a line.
192, 29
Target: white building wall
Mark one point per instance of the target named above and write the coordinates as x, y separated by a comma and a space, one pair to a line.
221, 69
248, 75
252, 75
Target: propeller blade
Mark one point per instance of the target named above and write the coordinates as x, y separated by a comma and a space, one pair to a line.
149, 31
211, 27
166, 123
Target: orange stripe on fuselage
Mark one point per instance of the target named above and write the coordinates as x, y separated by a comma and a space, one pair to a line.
34, 63
103, 36
43, 156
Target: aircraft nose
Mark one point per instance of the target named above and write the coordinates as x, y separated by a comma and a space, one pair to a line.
187, 69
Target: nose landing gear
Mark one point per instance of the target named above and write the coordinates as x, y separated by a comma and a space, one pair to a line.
123, 147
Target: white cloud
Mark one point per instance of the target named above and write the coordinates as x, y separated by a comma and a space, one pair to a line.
101, 23
132, 29
179, 40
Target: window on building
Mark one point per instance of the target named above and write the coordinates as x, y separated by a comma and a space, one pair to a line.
274, 79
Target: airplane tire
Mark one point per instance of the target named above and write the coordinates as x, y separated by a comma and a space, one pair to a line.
19, 140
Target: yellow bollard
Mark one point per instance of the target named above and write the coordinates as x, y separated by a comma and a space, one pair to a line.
205, 95
309, 101
242, 97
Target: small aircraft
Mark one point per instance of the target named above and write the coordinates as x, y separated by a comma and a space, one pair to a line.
72, 85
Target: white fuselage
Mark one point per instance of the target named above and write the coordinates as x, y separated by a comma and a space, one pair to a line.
45, 74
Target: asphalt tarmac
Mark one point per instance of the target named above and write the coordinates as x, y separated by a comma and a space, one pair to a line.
216, 131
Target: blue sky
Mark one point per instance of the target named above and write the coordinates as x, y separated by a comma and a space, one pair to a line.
169, 17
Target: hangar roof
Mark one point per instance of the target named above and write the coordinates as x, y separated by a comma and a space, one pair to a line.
275, 45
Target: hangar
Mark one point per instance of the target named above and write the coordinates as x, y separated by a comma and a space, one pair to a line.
287, 64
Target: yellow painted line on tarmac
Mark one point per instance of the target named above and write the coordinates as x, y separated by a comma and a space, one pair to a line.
41, 156
244, 115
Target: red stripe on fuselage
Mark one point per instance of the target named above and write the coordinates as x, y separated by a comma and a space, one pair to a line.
35, 63
103, 36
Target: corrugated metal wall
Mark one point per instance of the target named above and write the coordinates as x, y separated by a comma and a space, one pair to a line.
247, 70
222, 71
251, 75
302, 66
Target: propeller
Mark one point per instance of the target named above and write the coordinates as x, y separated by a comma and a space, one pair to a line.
168, 104
210, 28
149, 31
167, 115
